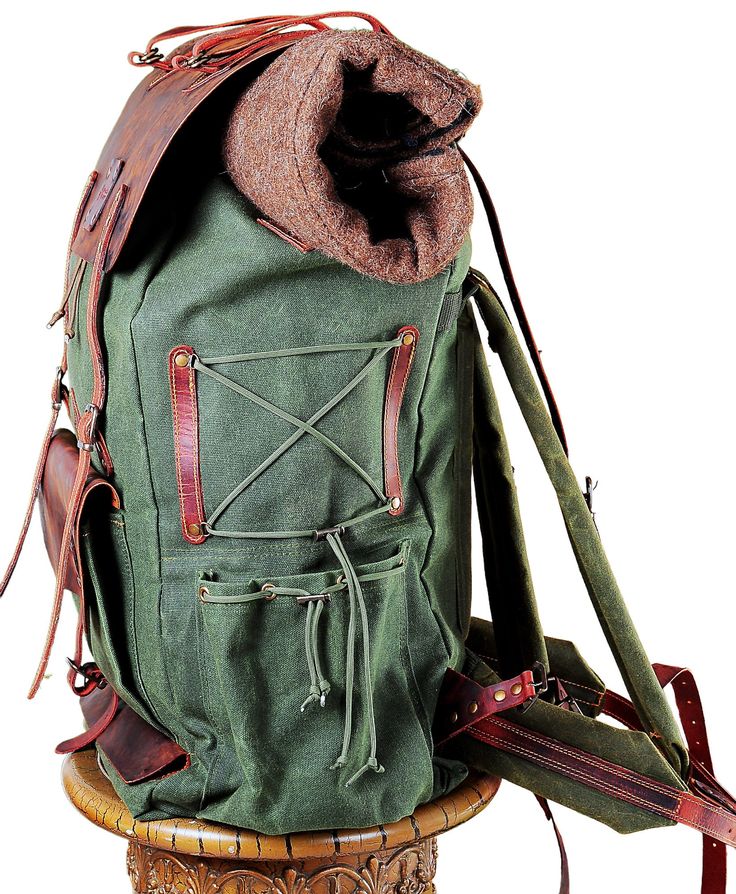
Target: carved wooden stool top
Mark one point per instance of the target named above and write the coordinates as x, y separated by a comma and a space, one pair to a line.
93, 795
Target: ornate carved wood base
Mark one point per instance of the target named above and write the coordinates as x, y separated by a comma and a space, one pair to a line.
406, 870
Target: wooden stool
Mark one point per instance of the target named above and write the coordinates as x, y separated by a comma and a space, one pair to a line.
186, 856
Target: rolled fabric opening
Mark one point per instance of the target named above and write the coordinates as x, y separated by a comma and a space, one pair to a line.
346, 143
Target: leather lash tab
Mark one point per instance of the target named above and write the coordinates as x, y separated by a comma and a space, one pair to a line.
401, 364
182, 380
463, 702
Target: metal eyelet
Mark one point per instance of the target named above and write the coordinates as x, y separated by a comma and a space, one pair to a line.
268, 589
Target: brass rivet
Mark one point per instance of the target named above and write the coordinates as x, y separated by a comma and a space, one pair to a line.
500, 695
181, 359
194, 530
203, 594
473, 707
453, 717
396, 503
516, 689
408, 338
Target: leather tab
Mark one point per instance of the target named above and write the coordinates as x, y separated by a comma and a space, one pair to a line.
401, 363
182, 380
463, 702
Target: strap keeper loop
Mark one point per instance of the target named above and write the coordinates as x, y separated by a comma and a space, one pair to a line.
90, 445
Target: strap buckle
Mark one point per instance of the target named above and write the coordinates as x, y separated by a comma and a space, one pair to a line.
541, 685
57, 393
91, 676
90, 445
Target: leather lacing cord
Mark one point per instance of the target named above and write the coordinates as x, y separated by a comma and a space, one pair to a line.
238, 40
332, 535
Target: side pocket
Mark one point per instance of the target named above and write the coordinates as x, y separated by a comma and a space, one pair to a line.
288, 717
110, 598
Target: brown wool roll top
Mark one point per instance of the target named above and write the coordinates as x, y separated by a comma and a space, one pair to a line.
347, 144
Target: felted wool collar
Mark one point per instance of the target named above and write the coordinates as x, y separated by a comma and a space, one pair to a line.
347, 144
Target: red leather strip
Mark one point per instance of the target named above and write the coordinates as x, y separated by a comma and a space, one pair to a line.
463, 702
403, 357
692, 717
182, 380
564, 863
291, 240
516, 303
56, 401
100, 709
86, 432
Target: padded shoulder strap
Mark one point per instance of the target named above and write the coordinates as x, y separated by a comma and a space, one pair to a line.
639, 678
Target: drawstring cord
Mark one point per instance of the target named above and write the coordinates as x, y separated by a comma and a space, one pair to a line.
356, 600
319, 686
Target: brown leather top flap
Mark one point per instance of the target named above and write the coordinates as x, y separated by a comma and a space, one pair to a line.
156, 111
56, 488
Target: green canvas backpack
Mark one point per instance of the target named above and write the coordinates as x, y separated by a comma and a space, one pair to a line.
279, 396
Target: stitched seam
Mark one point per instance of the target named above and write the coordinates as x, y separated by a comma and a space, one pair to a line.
177, 447
580, 775
196, 481
397, 413
646, 783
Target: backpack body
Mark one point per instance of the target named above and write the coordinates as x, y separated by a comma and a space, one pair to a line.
227, 679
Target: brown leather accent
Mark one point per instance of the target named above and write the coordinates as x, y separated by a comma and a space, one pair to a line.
183, 384
99, 708
153, 115
137, 750
403, 357
463, 702
58, 395
706, 806
67, 483
56, 488
103, 194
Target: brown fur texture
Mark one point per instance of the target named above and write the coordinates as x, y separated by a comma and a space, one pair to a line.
347, 143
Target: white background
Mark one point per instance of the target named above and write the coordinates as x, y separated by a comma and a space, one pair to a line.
608, 141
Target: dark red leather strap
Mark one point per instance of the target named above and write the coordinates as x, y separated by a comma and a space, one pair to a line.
692, 717
515, 297
102, 706
243, 37
564, 862
57, 397
401, 363
463, 702
183, 384
86, 432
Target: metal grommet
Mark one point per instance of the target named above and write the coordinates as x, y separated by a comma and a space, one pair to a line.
341, 580
516, 689
396, 503
268, 589
182, 359
500, 695
203, 594
194, 530
453, 717
473, 708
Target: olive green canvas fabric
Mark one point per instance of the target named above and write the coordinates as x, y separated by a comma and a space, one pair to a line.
227, 677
